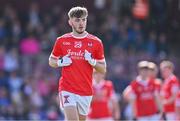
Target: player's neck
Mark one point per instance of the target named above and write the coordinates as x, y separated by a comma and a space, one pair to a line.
142, 78
99, 82
77, 35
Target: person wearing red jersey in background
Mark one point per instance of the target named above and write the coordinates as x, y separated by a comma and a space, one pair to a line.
169, 89
177, 106
141, 94
104, 104
77, 53
153, 71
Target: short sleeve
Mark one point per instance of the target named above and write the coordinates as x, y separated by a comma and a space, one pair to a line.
175, 88
99, 53
57, 52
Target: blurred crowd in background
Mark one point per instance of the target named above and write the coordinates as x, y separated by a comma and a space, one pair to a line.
28, 86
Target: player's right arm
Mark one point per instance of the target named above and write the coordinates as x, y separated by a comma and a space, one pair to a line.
53, 62
115, 104
60, 62
130, 96
57, 59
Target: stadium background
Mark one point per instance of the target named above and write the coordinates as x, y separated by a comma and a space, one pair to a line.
28, 30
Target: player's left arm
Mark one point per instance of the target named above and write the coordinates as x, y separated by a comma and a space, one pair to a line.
158, 85
115, 107
100, 66
174, 91
97, 59
114, 100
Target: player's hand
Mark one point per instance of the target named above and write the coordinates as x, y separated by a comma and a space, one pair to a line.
64, 61
88, 57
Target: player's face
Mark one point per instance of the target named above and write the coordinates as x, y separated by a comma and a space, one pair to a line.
152, 73
165, 72
78, 24
144, 72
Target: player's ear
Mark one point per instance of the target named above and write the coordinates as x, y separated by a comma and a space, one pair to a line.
70, 22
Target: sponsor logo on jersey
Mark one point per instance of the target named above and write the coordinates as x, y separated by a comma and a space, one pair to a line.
76, 54
66, 43
78, 44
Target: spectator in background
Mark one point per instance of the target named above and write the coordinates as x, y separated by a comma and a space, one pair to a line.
10, 65
151, 44
4, 102
3, 31
2, 57
29, 47
134, 32
16, 31
162, 45
34, 18
15, 86
4, 79
99, 4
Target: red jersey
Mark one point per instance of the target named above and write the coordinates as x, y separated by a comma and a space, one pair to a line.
77, 78
157, 84
144, 93
177, 103
100, 107
169, 87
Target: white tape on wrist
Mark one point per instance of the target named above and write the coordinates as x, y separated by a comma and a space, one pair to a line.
92, 62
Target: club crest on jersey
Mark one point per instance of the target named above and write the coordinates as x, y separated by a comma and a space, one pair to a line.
90, 44
78, 44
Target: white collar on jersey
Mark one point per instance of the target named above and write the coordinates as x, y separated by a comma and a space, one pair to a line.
141, 81
85, 35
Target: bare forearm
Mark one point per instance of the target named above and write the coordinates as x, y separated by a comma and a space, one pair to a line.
100, 67
158, 103
116, 110
53, 62
133, 106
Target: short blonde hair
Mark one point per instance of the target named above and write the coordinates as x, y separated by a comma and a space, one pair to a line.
142, 64
167, 64
78, 12
153, 66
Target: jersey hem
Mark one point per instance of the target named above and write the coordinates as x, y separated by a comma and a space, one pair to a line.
81, 94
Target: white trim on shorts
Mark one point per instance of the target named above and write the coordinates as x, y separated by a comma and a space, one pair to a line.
70, 99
